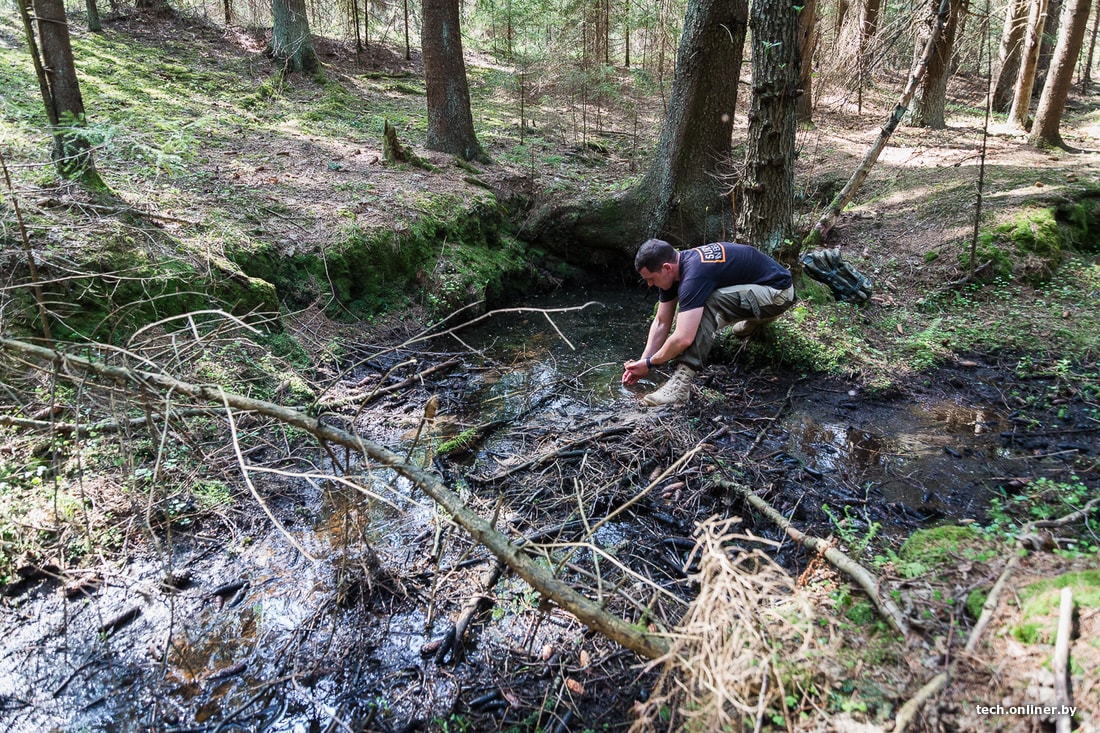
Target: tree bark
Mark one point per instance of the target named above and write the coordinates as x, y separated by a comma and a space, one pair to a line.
1029, 59
807, 45
766, 216
828, 219
1046, 45
681, 197
1086, 74
95, 25
291, 45
450, 122
51, 50
930, 101
1008, 56
681, 192
1071, 37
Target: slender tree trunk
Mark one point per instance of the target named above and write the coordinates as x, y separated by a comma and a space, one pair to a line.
450, 122
408, 48
868, 29
807, 44
1009, 54
227, 11
1071, 37
766, 216
1025, 80
291, 45
828, 219
95, 25
355, 25
1046, 45
51, 50
1086, 75
930, 101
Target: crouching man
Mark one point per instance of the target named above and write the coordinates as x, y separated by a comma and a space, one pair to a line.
703, 289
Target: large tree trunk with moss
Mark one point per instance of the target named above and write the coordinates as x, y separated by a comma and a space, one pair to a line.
930, 101
1071, 37
450, 122
682, 196
47, 32
767, 187
291, 46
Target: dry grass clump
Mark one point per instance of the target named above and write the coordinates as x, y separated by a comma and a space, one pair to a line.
746, 648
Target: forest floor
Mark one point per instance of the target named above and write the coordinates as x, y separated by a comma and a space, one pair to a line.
145, 583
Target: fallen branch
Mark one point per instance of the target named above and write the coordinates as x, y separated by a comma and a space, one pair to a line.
586, 610
907, 713
863, 577
1063, 695
104, 426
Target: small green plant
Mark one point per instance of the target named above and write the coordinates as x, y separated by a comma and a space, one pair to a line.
850, 529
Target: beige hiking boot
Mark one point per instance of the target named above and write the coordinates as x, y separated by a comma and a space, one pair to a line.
675, 391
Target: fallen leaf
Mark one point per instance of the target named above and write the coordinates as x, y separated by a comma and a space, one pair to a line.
901, 329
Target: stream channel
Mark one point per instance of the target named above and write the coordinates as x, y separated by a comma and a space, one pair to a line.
229, 626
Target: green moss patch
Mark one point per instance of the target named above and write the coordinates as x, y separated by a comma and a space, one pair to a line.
1033, 244
1040, 601
940, 545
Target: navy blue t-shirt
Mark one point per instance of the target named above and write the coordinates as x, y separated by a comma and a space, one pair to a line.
719, 265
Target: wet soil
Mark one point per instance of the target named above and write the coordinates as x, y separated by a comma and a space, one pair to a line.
343, 617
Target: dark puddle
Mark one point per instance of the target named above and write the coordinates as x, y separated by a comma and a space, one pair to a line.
257, 634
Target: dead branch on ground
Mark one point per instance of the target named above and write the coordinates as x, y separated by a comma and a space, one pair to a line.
863, 577
587, 611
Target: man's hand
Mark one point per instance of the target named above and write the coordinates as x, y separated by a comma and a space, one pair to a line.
633, 371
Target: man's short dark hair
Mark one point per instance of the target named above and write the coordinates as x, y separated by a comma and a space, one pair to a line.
653, 253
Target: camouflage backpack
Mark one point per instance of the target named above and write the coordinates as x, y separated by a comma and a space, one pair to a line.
845, 281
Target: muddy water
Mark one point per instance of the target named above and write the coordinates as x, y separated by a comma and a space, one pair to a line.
329, 632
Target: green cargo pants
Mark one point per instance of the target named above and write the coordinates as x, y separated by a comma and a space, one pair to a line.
758, 303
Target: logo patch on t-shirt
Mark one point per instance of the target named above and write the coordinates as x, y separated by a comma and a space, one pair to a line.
712, 253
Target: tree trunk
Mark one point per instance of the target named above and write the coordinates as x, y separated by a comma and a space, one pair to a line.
1046, 45
291, 45
95, 25
807, 44
680, 198
766, 217
930, 101
450, 122
1086, 77
1071, 36
1025, 79
51, 51
227, 11
868, 29
684, 200
1008, 56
